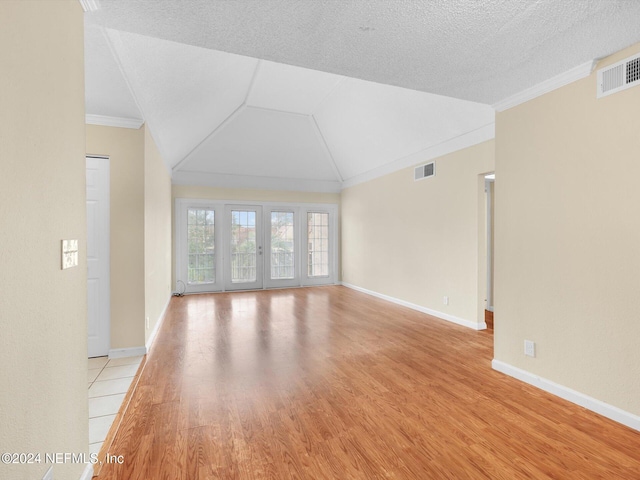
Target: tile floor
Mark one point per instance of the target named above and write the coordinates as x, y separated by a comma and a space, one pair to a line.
109, 381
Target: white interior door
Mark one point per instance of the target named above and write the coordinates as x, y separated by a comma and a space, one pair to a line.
98, 300
244, 253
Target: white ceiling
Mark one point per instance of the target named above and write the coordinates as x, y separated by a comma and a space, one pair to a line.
106, 89
220, 116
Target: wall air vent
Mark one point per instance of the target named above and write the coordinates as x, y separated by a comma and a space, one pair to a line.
424, 171
619, 76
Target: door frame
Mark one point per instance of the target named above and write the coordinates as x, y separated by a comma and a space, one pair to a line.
490, 193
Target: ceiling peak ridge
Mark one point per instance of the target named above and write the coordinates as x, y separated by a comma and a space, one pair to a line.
269, 109
323, 142
116, 56
247, 99
326, 97
253, 81
114, 52
231, 116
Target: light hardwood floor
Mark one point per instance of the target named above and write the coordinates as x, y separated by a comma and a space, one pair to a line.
329, 383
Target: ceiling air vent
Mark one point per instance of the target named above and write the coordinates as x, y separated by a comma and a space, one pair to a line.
619, 76
424, 171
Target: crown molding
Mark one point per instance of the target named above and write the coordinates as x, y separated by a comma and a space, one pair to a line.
107, 121
204, 179
570, 76
482, 134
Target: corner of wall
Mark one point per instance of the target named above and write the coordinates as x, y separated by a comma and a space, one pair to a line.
157, 237
417, 241
566, 250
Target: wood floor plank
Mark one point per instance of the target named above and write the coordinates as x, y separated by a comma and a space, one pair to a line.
328, 383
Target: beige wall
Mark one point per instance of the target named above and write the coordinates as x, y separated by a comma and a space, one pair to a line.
157, 233
140, 231
43, 309
243, 194
568, 237
418, 241
125, 149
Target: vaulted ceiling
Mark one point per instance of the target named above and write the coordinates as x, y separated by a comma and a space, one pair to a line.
316, 95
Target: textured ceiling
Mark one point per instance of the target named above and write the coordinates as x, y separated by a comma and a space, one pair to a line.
222, 88
480, 51
106, 90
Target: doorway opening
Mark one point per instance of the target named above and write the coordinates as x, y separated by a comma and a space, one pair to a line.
490, 182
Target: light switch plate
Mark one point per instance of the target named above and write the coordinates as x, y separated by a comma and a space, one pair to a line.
69, 254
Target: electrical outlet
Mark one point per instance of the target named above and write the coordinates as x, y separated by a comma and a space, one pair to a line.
529, 348
445, 300
49, 474
146, 322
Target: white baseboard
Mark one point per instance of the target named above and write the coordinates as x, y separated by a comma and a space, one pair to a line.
590, 403
87, 474
154, 332
127, 352
419, 308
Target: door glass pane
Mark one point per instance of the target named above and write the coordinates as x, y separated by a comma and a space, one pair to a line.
243, 246
282, 246
200, 239
318, 253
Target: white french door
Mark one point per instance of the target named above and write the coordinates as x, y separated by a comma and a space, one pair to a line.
223, 246
244, 252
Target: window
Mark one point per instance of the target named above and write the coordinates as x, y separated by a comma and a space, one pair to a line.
318, 235
282, 246
201, 245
